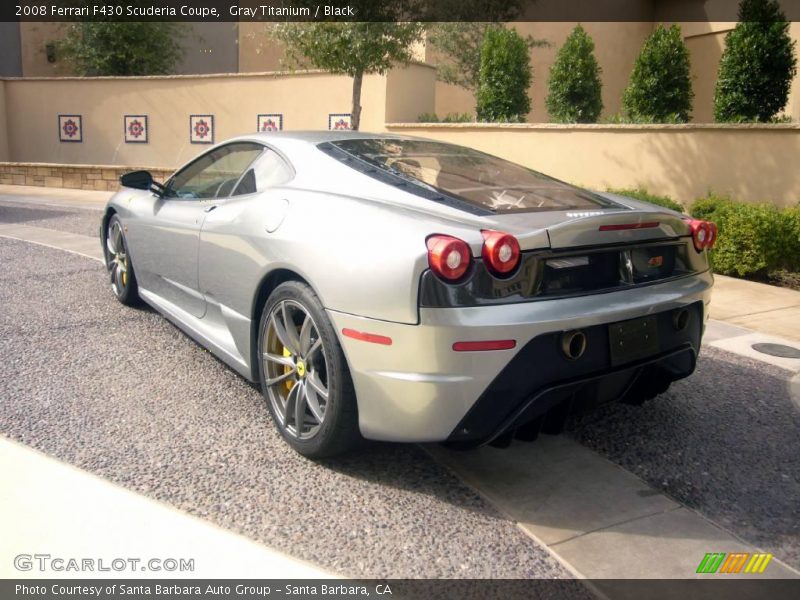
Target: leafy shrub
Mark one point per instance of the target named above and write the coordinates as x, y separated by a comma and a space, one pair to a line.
757, 66
448, 118
645, 196
622, 119
458, 118
427, 118
575, 86
754, 239
711, 207
660, 88
125, 48
504, 77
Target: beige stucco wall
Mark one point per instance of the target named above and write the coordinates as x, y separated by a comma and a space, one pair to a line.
750, 162
33, 38
304, 98
705, 51
409, 93
257, 52
3, 123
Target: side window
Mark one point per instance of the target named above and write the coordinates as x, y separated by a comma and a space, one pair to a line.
271, 170
214, 175
247, 184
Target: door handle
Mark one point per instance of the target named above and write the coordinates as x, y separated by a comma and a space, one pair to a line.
208, 209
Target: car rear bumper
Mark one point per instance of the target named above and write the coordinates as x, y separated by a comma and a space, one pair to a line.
418, 389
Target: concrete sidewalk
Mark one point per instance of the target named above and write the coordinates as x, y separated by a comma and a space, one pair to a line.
756, 306
51, 508
48, 196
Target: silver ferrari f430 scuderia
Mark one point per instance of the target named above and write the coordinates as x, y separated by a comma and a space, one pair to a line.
396, 288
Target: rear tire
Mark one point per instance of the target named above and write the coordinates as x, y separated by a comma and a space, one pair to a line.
304, 375
119, 264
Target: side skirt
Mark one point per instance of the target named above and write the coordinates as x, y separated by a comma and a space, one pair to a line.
211, 334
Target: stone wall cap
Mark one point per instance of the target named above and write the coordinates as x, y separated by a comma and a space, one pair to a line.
83, 166
254, 74
600, 126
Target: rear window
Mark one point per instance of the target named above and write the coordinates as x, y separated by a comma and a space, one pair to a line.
479, 179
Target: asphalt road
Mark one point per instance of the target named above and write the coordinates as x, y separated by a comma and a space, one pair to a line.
124, 394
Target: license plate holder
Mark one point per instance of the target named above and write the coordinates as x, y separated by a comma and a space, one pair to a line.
633, 340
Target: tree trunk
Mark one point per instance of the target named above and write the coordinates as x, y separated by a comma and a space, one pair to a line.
356, 111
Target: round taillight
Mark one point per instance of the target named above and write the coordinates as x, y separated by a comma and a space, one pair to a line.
500, 252
704, 234
448, 257
712, 238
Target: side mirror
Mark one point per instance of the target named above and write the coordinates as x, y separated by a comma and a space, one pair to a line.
138, 180
142, 180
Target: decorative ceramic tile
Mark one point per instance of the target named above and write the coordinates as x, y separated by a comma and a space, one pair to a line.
201, 129
135, 129
270, 122
340, 121
70, 128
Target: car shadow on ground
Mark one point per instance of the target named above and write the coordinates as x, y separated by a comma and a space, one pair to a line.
408, 467
24, 214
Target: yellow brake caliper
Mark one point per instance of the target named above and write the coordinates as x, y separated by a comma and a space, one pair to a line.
287, 369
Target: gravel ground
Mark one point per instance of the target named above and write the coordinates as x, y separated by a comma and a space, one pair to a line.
122, 393
83, 222
724, 442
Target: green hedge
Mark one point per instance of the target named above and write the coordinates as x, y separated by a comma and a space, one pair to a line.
754, 239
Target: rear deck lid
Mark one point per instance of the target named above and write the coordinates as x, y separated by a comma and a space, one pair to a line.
539, 210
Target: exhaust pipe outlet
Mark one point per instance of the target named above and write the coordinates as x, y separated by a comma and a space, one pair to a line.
680, 319
573, 344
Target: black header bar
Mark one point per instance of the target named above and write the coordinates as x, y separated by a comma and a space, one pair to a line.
378, 10
710, 588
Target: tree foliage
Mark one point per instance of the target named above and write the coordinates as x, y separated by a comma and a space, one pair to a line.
504, 77
660, 87
757, 66
122, 48
349, 48
575, 87
460, 44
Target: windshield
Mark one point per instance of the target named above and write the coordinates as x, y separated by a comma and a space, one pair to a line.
474, 177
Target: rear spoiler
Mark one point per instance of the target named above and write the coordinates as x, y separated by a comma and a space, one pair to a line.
616, 228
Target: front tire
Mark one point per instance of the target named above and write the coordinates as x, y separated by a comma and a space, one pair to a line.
304, 374
119, 264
